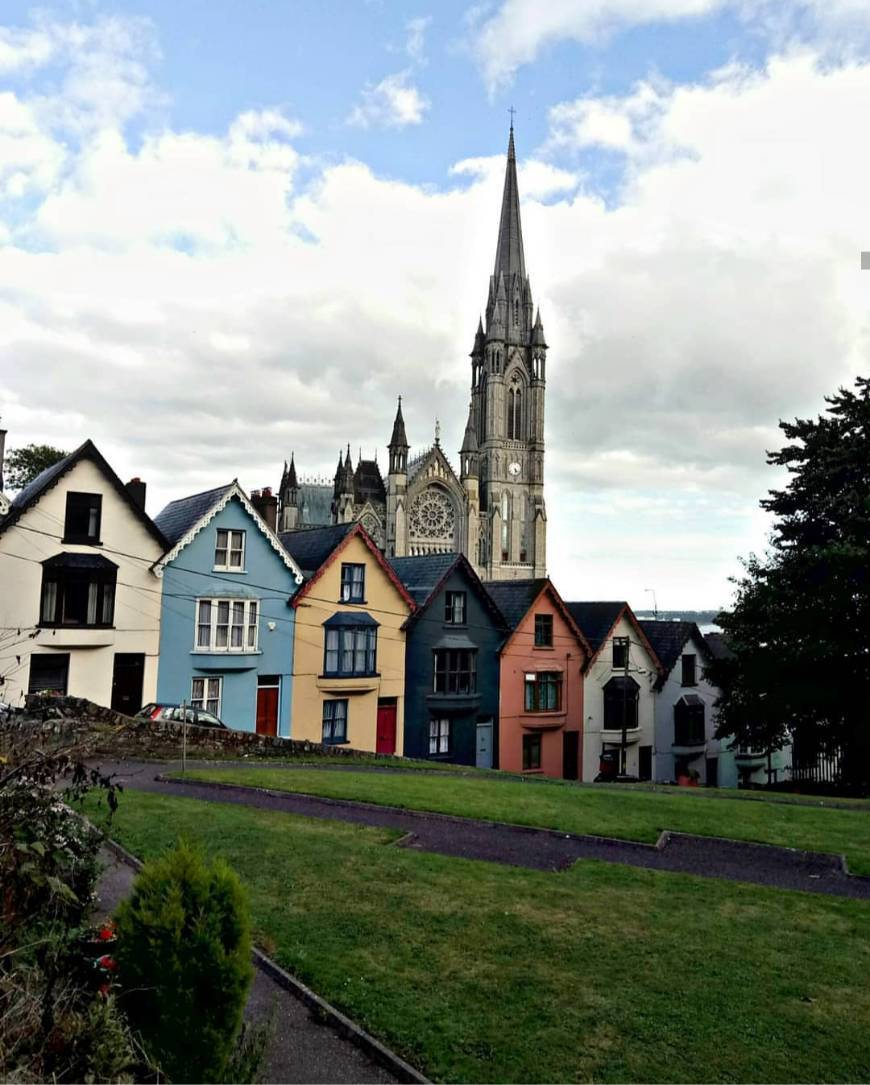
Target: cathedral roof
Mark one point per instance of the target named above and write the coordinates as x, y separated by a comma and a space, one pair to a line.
509, 257
368, 484
315, 503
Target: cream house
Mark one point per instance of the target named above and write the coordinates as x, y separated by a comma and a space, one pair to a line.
79, 604
618, 692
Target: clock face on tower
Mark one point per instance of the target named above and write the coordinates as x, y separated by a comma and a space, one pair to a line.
514, 468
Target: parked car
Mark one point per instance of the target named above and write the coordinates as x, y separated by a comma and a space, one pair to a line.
198, 716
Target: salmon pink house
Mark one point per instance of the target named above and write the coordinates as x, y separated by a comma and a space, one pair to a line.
540, 681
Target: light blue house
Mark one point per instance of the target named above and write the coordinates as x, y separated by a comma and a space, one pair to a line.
226, 629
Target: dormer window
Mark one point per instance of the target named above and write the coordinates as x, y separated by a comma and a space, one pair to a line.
229, 550
353, 583
83, 516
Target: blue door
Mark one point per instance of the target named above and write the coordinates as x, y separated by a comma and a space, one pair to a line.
484, 744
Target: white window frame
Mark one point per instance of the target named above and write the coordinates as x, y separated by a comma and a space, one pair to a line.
439, 736
229, 541
204, 701
220, 617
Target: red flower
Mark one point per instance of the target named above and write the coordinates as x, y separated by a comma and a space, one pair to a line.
107, 932
104, 989
108, 962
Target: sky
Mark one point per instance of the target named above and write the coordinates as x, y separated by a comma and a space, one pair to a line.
231, 231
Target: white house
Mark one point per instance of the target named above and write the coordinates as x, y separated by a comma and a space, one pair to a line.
618, 694
79, 604
685, 709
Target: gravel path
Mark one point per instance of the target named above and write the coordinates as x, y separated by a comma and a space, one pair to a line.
300, 1048
538, 849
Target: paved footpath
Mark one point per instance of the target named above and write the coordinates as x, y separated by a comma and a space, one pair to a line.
300, 1048
538, 849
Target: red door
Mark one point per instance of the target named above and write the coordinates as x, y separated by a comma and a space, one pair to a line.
267, 710
386, 734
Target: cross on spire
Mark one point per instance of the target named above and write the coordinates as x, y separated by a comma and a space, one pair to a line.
512, 111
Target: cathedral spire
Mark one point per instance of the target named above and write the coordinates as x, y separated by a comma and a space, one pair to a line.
509, 257
291, 473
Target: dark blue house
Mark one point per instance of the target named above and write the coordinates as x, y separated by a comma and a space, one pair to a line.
451, 662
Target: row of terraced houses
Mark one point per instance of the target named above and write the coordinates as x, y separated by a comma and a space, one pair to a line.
316, 634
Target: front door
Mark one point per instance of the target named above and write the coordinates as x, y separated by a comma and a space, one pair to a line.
386, 731
127, 678
712, 772
483, 759
644, 762
570, 754
268, 690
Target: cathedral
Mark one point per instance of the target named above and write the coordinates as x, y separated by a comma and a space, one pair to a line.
493, 510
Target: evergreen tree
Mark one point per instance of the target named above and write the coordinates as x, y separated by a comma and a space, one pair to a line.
800, 628
24, 464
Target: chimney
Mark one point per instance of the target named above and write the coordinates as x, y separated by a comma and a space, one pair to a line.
2, 453
136, 490
266, 505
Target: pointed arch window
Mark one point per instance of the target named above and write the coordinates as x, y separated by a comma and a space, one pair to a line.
516, 310
515, 413
505, 526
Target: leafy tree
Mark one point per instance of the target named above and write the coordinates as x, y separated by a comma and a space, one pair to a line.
800, 628
24, 464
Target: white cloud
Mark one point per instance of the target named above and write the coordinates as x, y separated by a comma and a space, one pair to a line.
415, 43
393, 103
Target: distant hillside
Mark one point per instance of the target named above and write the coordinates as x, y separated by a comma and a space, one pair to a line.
701, 617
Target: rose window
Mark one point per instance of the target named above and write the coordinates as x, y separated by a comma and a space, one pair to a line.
432, 516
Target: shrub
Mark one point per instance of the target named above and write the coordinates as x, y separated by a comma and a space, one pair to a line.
184, 951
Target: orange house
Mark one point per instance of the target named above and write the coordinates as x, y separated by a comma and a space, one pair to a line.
540, 682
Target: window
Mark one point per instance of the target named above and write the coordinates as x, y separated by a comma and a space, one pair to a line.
353, 583
620, 653
454, 607
543, 630
205, 694
83, 515
620, 704
689, 721
544, 691
515, 414
229, 550
78, 590
531, 752
439, 736
455, 670
689, 678
505, 526
351, 650
334, 722
226, 625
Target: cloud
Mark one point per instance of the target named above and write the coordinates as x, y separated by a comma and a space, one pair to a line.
416, 38
393, 103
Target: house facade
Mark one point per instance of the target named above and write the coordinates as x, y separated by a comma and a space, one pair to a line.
686, 747
80, 605
619, 724
541, 694
226, 631
349, 655
451, 662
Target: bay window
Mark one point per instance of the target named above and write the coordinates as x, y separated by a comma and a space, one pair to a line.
350, 645
455, 670
78, 590
543, 691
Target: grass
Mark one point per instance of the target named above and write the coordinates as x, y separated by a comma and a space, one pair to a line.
478, 972
629, 814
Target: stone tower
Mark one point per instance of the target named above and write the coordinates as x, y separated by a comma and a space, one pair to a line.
397, 488
508, 381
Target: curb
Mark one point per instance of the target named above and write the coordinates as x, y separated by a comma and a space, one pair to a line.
326, 1012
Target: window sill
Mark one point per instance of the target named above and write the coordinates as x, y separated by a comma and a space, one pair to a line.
229, 569
335, 742
74, 540
543, 721
352, 602
226, 652
348, 684
77, 636
544, 648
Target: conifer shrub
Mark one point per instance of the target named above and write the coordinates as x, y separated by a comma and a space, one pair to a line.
184, 953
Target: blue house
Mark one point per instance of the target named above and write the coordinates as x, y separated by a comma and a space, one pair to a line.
451, 662
226, 630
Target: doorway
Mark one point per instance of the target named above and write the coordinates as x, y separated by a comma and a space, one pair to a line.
570, 754
644, 762
483, 756
712, 772
268, 697
385, 738
128, 675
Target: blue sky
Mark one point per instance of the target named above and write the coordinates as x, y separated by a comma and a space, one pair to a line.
251, 226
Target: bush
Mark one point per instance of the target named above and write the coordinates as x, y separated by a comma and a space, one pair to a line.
184, 951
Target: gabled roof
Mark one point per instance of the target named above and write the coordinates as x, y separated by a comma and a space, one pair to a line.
332, 546
669, 638
187, 516
425, 575
27, 497
310, 548
598, 620
515, 598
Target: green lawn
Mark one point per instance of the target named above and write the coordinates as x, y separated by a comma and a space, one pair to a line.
478, 972
631, 814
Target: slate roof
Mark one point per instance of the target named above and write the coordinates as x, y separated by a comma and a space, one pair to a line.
368, 484
595, 619
514, 597
315, 501
179, 516
311, 547
718, 646
31, 493
668, 638
421, 575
